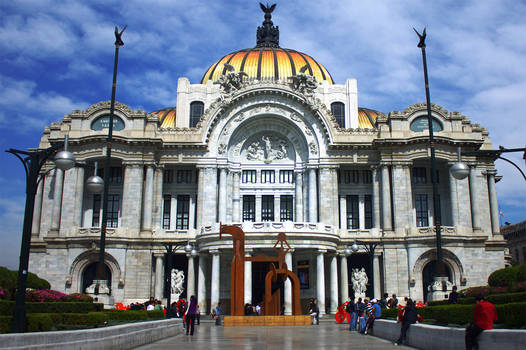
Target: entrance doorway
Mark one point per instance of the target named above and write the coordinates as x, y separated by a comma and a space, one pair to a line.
89, 275
428, 273
357, 261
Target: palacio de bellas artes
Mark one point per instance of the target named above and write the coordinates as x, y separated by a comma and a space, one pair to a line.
268, 142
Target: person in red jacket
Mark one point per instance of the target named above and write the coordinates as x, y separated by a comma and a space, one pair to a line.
484, 314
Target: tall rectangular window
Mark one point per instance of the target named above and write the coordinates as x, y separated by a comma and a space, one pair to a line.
167, 208
197, 109
183, 212
95, 218
168, 176
267, 208
419, 175
249, 208
351, 176
249, 176
368, 211
367, 176
113, 210
338, 110
286, 176
115, 174
184, 176
353, 212
286, 212
422, 216
267, 176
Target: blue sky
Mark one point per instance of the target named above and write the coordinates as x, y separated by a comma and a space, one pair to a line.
56, 56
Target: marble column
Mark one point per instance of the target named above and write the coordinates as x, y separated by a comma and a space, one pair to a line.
344, 279
313, 194
320, 280
236, 200
200, 197
473, 195
288, 286
453, 200
386, 200
222, 194
158, 199
201, 284
148, 200
376, 276
402, 198
299, 196
493, 204
343, 213
159, 273
216, 286
334, 284
248, 279
325, 194
79, 198
57, 199
190, 278
132, 197
35, 226
277, 206
376, 197
258, 207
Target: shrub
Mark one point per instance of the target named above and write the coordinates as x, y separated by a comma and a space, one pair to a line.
7, 306
7, 283
521, 274
513, 315
5, 324
519, 287
390, 313
91, 319
78, 297
45, 295
39, 322
35, 282
127, 315
504, 277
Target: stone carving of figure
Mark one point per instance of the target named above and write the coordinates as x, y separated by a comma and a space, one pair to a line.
359, 281
268, 146
304, 83
268, 149
177, 283
232, 80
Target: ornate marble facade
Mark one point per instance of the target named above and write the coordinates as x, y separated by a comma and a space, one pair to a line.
269, 155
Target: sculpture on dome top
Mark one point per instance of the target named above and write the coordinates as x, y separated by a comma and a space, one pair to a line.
267, 34
232, 80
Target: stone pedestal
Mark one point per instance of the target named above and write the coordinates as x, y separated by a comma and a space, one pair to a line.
439, 289
100, 292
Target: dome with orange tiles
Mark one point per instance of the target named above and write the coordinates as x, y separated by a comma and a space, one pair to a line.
267, 61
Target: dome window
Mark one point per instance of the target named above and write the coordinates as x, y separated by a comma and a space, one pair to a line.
338, 110
103, 122
197, 109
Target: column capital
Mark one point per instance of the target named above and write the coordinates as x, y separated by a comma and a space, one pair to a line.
158, 255
132, 163
214, 251
321, 251
491, 172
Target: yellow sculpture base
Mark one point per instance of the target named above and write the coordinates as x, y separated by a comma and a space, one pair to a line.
254, 321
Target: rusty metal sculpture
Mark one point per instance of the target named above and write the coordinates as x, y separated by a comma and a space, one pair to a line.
273, 280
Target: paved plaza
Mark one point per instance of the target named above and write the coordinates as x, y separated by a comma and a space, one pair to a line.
327, 335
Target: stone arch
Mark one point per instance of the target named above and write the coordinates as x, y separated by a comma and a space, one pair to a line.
450, 259
83, 260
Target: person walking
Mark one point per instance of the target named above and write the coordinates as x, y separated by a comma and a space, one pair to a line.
453, 296
409, 317
190, 315
484, 314
198, 315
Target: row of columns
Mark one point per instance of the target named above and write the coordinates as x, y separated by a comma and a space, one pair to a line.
338, 290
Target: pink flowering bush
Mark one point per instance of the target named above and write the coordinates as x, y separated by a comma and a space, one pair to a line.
43, 295
78, 297
519, 287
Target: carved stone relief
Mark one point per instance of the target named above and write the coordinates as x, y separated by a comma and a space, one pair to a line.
267, 148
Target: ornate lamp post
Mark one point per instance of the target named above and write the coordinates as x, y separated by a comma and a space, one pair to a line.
440, 269
369, 248
170, 252
33, 162
100, 279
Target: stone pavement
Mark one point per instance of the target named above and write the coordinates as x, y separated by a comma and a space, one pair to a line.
328, 335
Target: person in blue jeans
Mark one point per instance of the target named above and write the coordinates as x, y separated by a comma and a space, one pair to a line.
351, 310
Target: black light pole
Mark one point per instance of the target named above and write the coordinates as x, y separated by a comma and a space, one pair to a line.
439, 270
369, 248
33, 162
101, 271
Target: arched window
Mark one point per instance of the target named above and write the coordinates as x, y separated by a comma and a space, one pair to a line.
197, 109
338, 110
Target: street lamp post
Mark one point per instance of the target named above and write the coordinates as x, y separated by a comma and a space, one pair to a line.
100, 279
33, 162
170, 252
369, 248
440, 269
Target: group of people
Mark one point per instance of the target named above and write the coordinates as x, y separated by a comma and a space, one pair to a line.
363, 314
252, 310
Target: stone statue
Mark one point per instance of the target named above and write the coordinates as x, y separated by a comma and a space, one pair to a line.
359, 282
304, 83
232, 80
177, 283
